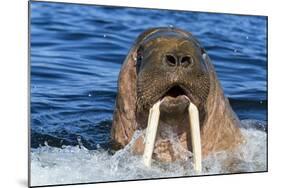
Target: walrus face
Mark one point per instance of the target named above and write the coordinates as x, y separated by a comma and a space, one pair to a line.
171, 69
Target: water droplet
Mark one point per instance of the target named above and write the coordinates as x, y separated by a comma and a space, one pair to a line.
79, 140
247, 37
89, 95
104, 36
171, 26
98, 146
46, 143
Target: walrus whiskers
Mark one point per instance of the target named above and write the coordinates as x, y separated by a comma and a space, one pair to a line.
151, 130
195, 137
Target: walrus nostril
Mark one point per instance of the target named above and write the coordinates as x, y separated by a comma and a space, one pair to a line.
171, 60
186, 60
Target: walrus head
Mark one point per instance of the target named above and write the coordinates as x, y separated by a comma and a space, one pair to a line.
169, 65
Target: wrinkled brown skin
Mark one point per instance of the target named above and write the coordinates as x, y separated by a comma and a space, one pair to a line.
219, 125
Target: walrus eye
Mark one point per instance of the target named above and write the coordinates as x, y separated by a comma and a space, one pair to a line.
186, 60
139, 58
171, 60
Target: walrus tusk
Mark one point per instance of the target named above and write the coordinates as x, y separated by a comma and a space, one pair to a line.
151, 131
195, 137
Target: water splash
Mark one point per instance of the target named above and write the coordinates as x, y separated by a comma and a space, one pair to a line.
50, 165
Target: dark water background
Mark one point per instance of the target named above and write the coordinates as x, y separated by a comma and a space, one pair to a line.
77, 51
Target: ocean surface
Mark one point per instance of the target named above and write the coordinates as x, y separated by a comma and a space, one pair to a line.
76, 52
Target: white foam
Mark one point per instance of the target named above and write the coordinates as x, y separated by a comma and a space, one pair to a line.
50, 165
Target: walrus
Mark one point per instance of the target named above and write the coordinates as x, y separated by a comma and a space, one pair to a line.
169, 67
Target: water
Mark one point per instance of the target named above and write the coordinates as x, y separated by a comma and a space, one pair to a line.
51, 165
76, 54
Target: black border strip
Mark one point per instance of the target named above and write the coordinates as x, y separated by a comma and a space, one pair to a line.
117, 181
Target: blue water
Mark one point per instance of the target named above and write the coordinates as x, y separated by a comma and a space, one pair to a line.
77, 51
